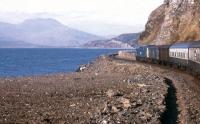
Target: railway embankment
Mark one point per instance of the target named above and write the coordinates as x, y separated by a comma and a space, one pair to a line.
186, 90
105, 92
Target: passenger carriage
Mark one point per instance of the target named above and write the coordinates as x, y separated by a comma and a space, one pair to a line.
163, 54
184, 55
152, 53
141, 53
194, 57
179, 54
158, 54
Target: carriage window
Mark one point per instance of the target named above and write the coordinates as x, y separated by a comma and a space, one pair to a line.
195, 55
172, 53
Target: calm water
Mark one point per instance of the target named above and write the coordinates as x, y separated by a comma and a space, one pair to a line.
26, 62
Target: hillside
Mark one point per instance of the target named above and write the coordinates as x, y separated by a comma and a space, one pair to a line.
10, 43
129, 38
44, 32
121, 41
174, 21
106, 44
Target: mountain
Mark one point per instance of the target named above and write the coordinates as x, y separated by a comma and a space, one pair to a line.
121, 41
129, 38
106, 44
10, 43
174, 21
45, 32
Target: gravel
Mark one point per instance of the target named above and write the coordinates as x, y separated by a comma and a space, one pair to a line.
105, 92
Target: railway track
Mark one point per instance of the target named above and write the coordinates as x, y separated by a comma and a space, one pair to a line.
183, 98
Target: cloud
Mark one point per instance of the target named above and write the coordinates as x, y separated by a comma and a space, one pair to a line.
132, 11
121, 12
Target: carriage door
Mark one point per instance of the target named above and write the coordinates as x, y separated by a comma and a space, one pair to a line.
148, 53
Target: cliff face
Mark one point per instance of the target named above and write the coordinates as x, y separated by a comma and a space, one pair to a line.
174, 21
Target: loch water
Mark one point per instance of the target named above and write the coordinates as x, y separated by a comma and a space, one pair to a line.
17, 62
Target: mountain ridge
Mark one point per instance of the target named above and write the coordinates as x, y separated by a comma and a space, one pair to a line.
127, 40
45, 32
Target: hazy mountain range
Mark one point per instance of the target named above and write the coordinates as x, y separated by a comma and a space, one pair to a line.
34, 33
122, 41
129, 38
83, 22
42, 33
6, 42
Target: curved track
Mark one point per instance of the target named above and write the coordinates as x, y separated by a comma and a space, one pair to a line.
184, 87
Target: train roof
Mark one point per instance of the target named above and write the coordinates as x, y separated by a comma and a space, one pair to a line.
155, 46
195, 44
163, 46
151, 46
144, 46
186, 44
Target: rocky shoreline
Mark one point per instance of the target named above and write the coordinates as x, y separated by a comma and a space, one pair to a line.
107, 91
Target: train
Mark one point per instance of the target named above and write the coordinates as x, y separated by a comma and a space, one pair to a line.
183, 55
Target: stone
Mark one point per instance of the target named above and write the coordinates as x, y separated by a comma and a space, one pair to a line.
125, 102
72, 105
110, 93
104, 122
141, 85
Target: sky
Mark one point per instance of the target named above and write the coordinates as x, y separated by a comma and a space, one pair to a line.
97, 16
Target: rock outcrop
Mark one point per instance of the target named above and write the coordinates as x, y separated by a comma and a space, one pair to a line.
174, 21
